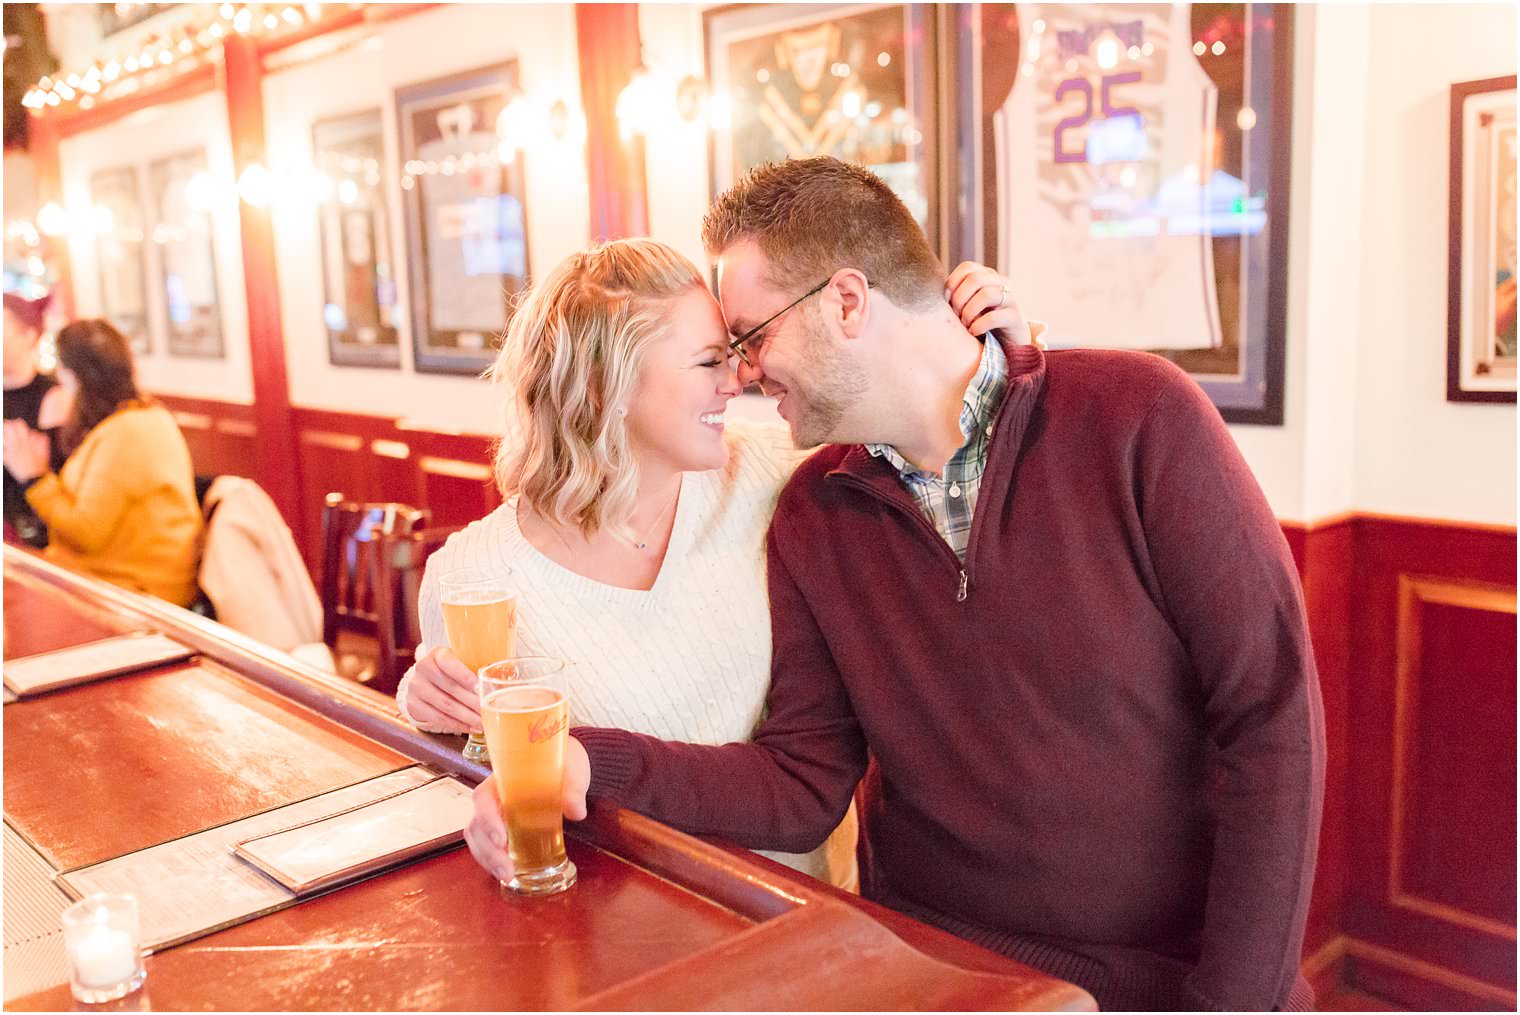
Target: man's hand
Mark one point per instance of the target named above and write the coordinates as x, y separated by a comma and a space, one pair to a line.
486, 833
980, 298
442, 694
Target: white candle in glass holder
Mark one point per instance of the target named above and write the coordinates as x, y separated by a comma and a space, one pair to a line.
101, 937
104, 957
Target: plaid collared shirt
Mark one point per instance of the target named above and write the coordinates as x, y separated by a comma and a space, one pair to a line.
949, 501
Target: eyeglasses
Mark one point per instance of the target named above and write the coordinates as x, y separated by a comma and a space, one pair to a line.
736, 347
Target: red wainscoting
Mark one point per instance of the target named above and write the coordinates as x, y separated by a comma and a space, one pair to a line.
1414, 633
221, 435
1323, 554
378, 458
1431, 868
1414, 636
367, 458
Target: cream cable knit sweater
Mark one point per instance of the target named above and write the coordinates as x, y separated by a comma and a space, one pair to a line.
688, 660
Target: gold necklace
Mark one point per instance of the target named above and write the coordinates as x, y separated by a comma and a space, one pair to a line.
643, 544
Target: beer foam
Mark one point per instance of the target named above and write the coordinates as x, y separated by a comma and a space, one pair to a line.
523, 699
471, 598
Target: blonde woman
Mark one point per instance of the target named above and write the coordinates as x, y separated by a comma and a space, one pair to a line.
634, 515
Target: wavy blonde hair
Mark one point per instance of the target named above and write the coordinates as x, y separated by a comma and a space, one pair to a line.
570, 360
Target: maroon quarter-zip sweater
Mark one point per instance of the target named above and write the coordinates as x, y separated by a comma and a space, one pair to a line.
1099, 744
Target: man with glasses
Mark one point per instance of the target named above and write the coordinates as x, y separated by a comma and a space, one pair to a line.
1041, 593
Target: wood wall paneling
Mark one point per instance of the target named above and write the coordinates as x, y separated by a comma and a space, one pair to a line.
607, 38
278, 464
44, 134
185, 84
1431, 866
456, 492
378, 458
453, 474
221, 435
336, 462
1326, 568
1417, 984
363, 457
1453, 755
396, 469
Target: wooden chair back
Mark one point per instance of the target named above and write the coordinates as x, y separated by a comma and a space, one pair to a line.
353, 600
403, 557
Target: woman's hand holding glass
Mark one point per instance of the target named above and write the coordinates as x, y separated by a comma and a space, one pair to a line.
441, 694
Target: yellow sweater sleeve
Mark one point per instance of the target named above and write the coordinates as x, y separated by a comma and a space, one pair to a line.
85, 517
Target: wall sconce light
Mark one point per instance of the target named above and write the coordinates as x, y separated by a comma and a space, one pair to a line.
256, 185
52, 220
691, 95
102, 220
653, 98
519, 125
201, 191
559, 119
637, 104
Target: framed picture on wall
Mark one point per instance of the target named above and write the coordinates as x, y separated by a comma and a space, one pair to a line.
119, 225
852, 81
358, 274
182, 195
465, 198
1134, 167
1480, 339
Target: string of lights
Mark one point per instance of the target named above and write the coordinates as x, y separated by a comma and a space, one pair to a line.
169, 54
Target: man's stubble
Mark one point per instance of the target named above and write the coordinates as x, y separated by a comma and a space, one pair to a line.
827, 386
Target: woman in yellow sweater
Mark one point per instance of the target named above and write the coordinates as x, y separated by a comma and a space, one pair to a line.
123, 505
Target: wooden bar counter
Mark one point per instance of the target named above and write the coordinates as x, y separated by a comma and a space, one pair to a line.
658, 921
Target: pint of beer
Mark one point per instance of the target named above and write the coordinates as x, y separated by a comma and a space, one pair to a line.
480, 616
522, 705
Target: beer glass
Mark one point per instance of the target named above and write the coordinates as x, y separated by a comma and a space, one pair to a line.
480, 616
522, 704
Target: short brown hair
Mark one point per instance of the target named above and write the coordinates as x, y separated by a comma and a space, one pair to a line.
811, 217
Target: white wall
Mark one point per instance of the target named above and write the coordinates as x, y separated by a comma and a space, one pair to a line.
138, 140
1367, 425
1332, 162
675, 155
439, 43
1416, 453
1304, 466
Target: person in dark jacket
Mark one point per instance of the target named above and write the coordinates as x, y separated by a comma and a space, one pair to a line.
30, 395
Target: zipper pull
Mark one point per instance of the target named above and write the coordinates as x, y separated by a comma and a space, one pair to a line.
960, 595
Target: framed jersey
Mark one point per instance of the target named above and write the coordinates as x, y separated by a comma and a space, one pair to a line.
467, 241
1135, 173
1481, 352
855, 81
